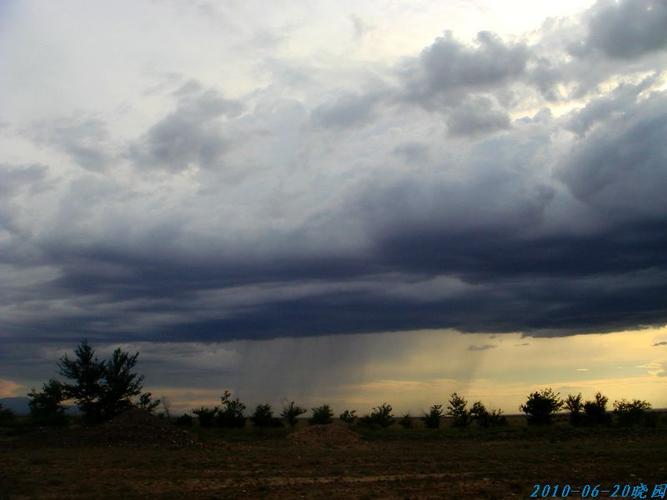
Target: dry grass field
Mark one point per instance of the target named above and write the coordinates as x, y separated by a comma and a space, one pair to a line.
332, 463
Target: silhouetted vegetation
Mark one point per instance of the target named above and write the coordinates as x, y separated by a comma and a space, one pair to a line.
380, 416
348, 416
102, 389
263, 417
596, 410
541, 406
635, 412
46, 406
458, 410
291, 412
148, 404
321, 415
433, 417
185, 420
230, 413
206, 416
486, 418
575, 406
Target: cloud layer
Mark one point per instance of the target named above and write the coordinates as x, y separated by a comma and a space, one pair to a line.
497, 185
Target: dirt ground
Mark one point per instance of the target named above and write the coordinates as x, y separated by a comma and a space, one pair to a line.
315, 465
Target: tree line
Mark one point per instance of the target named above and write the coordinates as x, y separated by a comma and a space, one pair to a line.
104, 388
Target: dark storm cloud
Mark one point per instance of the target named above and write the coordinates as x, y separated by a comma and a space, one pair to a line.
489, 251
620, 167
445, 213
626, 29
190, 135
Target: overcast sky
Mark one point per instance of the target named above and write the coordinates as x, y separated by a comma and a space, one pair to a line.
228, 186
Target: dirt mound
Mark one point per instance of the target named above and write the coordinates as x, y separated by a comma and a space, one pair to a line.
328, 436
138, 428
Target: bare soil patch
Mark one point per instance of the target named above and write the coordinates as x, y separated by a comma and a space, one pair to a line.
327, 436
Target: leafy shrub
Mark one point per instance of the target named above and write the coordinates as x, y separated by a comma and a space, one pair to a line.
458, 410
291, 412
348, 416
230, 413
575, 406
101, 389
635, 412
380, 416
206, 416
148, 404
263, 417
433, 417
184, 420
321, 415
46, 406
541, 406
486, 418
596, 410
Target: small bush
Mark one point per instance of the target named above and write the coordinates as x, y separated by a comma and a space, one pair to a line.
596, 410
321, 415
458, 410
433, 417
575, 406
46, 406
148, 404
380, 416
231, 411
206, 416
291, 412
541, 406
348, 416
486, 418
263, 417
635, 412
184, 420
405, 421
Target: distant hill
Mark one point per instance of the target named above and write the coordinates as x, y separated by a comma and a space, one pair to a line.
18, 405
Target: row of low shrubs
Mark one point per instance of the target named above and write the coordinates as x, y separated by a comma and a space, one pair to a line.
541, 406
230, 414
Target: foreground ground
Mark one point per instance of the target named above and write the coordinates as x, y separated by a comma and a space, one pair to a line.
389, 464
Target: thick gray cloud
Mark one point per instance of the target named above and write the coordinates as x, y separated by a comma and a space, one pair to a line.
84, 140
346, 110
626, 29
620, 168
476, 115
448, 69
191, 134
